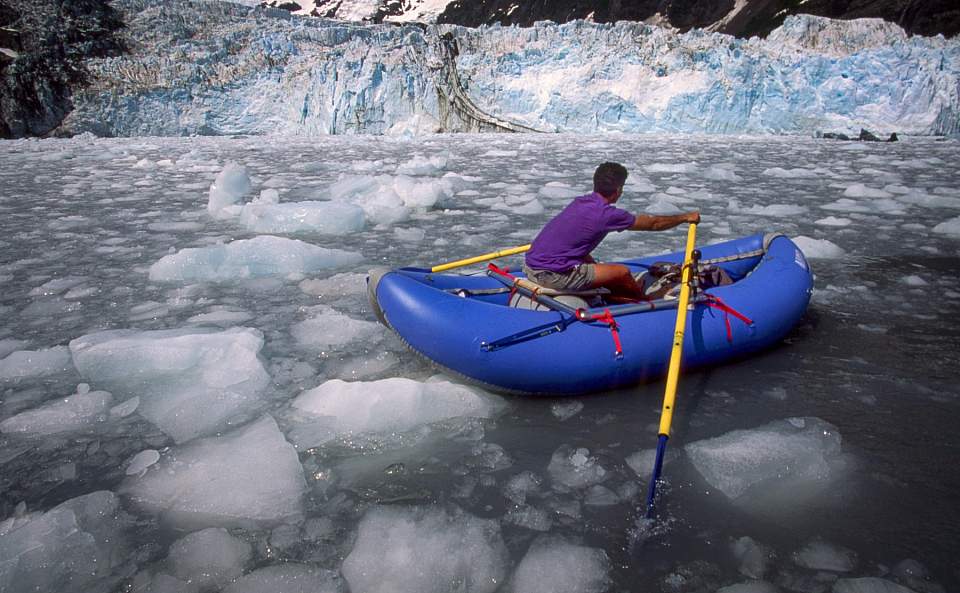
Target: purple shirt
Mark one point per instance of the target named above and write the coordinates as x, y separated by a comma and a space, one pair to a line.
570, 237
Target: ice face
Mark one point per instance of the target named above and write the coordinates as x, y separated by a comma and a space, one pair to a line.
315, 77
426, 550
190, 382
798, 451
72, 546
246, 477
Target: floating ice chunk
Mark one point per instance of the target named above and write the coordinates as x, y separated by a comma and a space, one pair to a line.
778, 210
71, 547
364, 366
249, 476
422, 165
288, 578
75, 412
793, 453
833, 221
58, 285
721, 173
174, 227
395, 405
555, 566
209, 559
228, 189
672, 167
795, 173
521, 207
8, 345
642, 462
868, 585
190, 381
25, 364
949, 227
425, 550
328, 218
412, 235
387, 200
125, 408
326, 328
248, 258
529, 517
661, 206
750, 587
818, 248
567, 410
338, 285
522, 485
820, 555
141, 461
755, 558
847, 205
859, 190
913, 280
600, 496
575, 468
222, 317
558, 190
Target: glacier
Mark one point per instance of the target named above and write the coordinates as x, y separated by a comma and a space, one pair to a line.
211, 68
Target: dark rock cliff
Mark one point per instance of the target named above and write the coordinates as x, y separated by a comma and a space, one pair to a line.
759, 17
43, 44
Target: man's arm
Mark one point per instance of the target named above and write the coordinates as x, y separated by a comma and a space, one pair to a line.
647, 222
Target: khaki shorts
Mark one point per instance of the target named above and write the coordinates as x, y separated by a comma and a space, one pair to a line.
579, 278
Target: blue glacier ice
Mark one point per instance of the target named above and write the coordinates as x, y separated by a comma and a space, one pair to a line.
214, 68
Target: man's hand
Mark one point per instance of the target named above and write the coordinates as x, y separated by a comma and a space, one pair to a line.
693, 217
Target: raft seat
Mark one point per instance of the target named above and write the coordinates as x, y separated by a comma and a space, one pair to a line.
578, 299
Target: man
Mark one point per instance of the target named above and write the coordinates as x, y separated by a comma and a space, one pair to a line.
560, 256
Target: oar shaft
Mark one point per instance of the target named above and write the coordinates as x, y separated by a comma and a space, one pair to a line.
480, 258
673, 371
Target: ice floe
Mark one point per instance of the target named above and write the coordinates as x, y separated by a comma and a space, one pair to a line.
797, 456
340, 408
262, 256
250, 476
425, 549
190, 381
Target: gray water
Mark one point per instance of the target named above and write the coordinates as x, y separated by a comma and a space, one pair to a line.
875, 355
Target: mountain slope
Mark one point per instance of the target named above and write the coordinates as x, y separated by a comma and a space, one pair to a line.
741, 18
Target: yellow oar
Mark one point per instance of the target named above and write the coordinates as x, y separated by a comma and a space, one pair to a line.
673, 372
474, 260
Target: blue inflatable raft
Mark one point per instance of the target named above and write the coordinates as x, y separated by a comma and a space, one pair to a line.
478, 325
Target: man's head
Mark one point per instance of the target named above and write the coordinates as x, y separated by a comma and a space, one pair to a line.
608, 180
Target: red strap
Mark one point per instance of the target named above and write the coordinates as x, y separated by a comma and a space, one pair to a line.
608, 318
716, 303
502, 271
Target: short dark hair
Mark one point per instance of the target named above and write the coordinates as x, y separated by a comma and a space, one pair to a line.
608, 178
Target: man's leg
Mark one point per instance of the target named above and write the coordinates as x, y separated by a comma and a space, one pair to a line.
619, 281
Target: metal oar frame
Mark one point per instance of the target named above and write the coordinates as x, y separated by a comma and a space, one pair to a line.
571, 315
